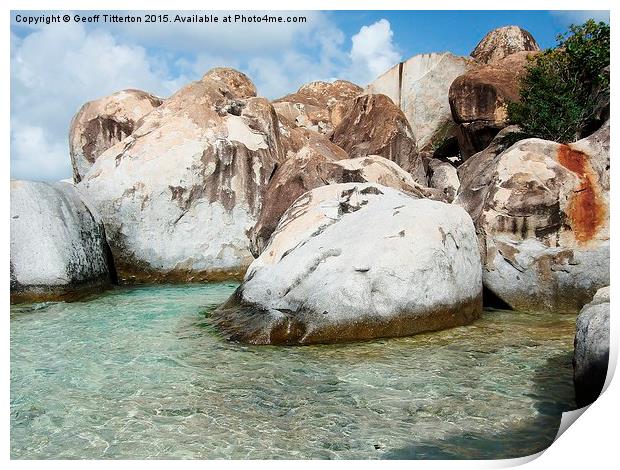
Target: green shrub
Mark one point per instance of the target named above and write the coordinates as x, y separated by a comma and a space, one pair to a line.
564, 87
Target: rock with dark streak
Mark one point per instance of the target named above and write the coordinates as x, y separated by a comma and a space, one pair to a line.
58, 244
541, 211
102, 123
419, 87
179, 195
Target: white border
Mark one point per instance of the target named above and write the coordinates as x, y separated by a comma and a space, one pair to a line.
591, 442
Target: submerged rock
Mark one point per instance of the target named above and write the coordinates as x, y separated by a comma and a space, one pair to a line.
591, 358
541, 210
374, 125
58, 244
102, 123
419, 87
358, 261
502, 42
178, 196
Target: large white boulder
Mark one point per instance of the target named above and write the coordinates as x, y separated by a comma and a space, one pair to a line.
100, 124
419, 87
356, 261
58, 244
591, 358
178, 196
541, 211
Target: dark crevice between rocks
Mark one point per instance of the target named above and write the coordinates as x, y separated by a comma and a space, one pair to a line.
491, 300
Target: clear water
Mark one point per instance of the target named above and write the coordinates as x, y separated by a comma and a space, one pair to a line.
138, 373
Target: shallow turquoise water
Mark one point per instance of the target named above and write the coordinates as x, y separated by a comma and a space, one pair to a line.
138, 373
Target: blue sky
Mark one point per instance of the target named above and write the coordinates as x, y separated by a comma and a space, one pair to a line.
56, 68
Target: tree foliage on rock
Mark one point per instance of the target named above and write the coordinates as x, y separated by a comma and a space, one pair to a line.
565, 88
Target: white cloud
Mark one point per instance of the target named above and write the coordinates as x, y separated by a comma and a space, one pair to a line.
373, 51
37, 155
53, 72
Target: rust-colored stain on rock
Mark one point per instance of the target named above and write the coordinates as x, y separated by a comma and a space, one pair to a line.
585, 210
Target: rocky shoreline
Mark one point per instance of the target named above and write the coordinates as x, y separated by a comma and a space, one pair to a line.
349, 213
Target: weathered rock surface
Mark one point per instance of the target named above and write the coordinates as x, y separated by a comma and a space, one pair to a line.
444, 177
316, 105
502, 42
178, 196
419, 87
479, 100
102, 123
591, 357
358, 261
58, 245
310, 167
318, 165
541, 210
234, 82
374, 125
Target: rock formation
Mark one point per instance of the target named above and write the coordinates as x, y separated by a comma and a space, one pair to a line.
102, 123
479, 101
444, 177
315, 105
419, 86
58, 244
373, 125
318, 165
232, 81
541, 210
502, 42
591, 357
358, 261
309, 168
180, 193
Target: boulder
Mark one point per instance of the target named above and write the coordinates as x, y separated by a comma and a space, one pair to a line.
58, 244
444, 177
318, 164
374, 125
102, 123
419, 87
479, 101
478, 169
502, 42
234, 82
313, 105
178, 196
541, 210
591, 357
357, 261
308, 168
